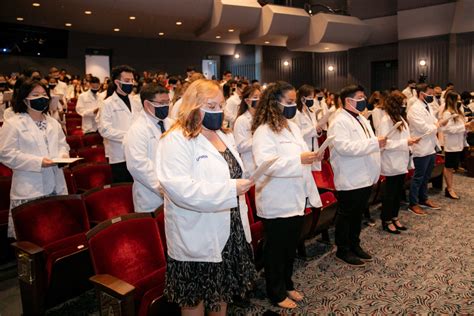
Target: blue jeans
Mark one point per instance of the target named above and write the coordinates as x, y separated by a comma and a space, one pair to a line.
419, 184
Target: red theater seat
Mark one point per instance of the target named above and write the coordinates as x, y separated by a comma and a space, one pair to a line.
88, 176
325, 217
109, 201
73, 123
91, 139
5, 171
325, 178
256, 230
437, 173
74, 142
130, 265
92, 154
52, 252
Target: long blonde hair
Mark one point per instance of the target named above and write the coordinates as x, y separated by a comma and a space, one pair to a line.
189, 116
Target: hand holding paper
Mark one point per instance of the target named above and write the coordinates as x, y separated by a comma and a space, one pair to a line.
263, 168
393, 129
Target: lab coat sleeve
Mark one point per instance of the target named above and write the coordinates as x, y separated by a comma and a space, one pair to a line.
417, 123
63, 145
346, 146
454, 126
243, 138
175, 170
392, 144
310, 131
140, 166
13, 158
106, 128
264, 148
81, 108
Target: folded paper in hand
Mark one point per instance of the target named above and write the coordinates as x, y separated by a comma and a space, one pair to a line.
325, 145
65, 160
263, 168
393, 129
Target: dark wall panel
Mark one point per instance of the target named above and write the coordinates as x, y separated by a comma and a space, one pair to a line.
435, 50
332, 80
244, 65
464, 79
360, 62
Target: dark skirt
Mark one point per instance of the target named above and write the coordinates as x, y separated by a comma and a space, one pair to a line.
189, 283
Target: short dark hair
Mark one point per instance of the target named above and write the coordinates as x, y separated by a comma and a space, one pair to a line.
24, 90
423, 87
254, 81
94, 80
173, 80
349, 92
411, 81
466, 95
449, 84
116, 71
190, 68
227, 72
149, 91
304, 91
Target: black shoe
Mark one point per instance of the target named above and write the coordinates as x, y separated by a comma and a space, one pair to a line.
399, 227
385, 227
349, 258
359, 252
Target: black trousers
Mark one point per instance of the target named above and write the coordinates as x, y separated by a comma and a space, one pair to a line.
351, 205
394, 186
120, 173
279, 251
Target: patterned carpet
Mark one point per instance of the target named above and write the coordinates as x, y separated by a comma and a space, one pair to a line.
428, 269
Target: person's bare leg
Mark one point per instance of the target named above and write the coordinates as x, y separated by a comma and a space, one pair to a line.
448, 176
295, 295
197, 310
222, 312
287, 303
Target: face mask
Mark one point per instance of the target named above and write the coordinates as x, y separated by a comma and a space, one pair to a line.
320, 98
438, 97
309, 102
254, 103
3, 85
126, 87
161, 112
466, 101
52, 85
212, 120
289, 110
38, 104
361, 105
94, 91
428, 98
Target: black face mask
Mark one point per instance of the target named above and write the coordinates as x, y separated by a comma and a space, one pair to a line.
466, 101
212, 120
127, 88
94, 91
52, 85
39, 104
428, 98
161, 112
254, 103
309, 103
320, 98
288, 111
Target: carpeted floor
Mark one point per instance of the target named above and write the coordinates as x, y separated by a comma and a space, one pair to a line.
427, 270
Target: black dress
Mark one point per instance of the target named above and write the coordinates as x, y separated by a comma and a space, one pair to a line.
188, 283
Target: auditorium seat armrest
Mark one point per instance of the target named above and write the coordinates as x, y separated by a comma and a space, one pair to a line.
114, 294
112, 285
28, 247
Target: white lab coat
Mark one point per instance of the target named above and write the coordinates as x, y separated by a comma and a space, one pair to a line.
61, 88
409, 92
324, 107
395, 156
87, 103
355, 152
199, 194
140, 146
175, 109
422, 121
377, 115
283, 190
231, 109
243, 140
8, 113
306, 121
114, 121
22, 148
454, 133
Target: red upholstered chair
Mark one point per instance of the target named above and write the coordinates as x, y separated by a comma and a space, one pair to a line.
437, 173
71, 105
88, 176
109, 201
73, 123
324, 178
5, 171
52, 253
256, 230
70, 182
91, 139
159, 215
5, 249
74, 142
92, 154
324, 219
73, 115
75, 131
130, 265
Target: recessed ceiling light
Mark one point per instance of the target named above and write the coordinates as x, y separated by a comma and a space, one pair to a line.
116, 30
68, 24
161, 34
39, 54
88, 12
267, 42
179, 23
218, 36
331, 68
19, 18
286, 63
326, 48
36, 4
231, 30
237, 56
132, 18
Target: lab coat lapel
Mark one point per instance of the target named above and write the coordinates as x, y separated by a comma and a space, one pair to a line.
231, 147
33, 129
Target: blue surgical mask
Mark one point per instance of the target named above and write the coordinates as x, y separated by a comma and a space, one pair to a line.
212, 119
428, 98
254, 102
361, 104
309, 102
161, 111
289, 110
39, 104
126, 87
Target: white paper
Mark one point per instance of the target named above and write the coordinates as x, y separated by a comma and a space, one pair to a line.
325, 145
425, 134
7, 96
263, 168
452, 116
393, 129
65, 160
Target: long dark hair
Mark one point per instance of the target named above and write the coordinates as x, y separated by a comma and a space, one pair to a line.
268, 111
304, 91
393, 107
248, 91
451, 98
19, 105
